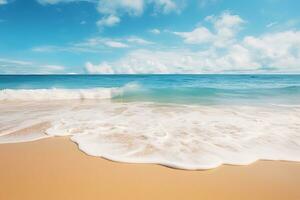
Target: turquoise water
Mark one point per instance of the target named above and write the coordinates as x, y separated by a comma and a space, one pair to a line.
187, 89
192, 121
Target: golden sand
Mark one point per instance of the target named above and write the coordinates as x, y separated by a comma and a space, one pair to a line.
55, 169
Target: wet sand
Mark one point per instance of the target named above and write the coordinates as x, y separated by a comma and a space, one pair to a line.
54, 169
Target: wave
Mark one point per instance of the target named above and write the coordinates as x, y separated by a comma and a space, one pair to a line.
180, 136
66, 94
54, 94
136, 92
210, 95
293, 88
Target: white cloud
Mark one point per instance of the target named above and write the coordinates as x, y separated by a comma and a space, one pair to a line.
225, 28
2, 2
103, 68
110, 20
155, 31
52, 2
205, 3
4, 61
118, 8
98, 44
138, 41
223, 52
225, 20
269, 53
115, 7
166, 6
53, 68
95, 45
74, 48
112, 10
199, 35
115, 44
179, 61
92, 45
136, 7
280, 50
12, 66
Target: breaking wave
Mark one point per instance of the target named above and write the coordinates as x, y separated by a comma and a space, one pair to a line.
136, 92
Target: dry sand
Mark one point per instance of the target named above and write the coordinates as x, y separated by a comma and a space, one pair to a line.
55, 169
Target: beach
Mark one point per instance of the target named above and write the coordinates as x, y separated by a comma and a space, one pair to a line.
54, 168
149, 100
206, 137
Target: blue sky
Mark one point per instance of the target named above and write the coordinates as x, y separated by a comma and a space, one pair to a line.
149, 36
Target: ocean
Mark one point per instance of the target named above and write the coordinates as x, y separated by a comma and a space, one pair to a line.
183, 89
182, 121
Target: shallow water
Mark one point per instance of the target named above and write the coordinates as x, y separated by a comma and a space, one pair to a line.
186, 121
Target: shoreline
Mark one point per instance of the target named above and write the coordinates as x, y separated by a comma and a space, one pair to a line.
54, 168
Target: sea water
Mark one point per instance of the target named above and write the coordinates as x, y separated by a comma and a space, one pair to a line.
185, 89
182, 121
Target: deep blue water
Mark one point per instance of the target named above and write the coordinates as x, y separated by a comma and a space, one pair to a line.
202, 89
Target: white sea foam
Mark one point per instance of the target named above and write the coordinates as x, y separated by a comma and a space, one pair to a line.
55, 94
65, 94
186, 137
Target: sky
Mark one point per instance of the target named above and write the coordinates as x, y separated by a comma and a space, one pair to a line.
149, 36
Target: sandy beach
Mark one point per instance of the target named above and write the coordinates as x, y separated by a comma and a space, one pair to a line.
55, 169
149, 100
